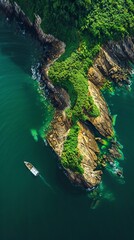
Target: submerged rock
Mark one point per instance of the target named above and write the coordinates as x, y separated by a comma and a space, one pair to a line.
114, 152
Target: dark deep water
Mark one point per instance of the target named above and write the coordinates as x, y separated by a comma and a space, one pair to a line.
49, 207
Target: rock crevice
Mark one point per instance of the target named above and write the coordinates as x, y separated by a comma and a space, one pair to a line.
112, 63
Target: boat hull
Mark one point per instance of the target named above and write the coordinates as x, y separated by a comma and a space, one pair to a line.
31, 168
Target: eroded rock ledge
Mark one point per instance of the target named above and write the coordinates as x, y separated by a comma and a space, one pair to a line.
87, 147
87, 144
102, 123
112, 63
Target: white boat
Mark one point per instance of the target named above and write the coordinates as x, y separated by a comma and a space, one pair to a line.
31, 168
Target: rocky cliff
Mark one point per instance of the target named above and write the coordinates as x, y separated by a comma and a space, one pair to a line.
52, 48
102, 123
112, 63
87, 147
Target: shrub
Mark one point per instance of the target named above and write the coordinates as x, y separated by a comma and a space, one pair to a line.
71, 157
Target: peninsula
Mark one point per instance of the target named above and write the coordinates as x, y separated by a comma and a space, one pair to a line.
92, 51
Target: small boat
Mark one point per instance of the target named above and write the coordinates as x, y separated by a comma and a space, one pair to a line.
31, 168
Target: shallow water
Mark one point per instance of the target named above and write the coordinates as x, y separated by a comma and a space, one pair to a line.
48, 207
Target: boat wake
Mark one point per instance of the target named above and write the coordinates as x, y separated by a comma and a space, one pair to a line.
46, 183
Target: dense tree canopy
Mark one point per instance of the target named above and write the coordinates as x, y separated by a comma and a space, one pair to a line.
103, 19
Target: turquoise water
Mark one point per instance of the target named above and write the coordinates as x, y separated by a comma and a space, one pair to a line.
48, 207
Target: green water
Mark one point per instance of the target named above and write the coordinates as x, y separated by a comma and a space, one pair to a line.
48, 207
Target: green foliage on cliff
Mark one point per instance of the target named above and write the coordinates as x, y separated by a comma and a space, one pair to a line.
94, 111
70, 156
71, 76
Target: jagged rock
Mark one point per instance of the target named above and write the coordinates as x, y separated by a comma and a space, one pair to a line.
98, 139
119, 173
121, 51
89, 150
37, 21
17, 9
95, 76
79, 180
6, 6
114, 152
109, 68
53, 47
59, 97
102, 123
87, 147
59, 130
112, 62
5, 3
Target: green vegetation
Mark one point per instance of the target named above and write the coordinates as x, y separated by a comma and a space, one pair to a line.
94, 111
69, 77
108, 87
101, 19
70, 157
84, 25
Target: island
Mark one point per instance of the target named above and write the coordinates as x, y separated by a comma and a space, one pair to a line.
88, 48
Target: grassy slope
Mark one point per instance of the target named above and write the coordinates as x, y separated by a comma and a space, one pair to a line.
83, 25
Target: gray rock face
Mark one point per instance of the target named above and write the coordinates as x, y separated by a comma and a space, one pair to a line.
59, 97
102, 123
112, 62
87, 147
89, 150
55, 46
121, 51
57, 135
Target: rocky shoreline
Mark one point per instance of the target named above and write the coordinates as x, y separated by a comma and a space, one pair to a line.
52, 47
111, 63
